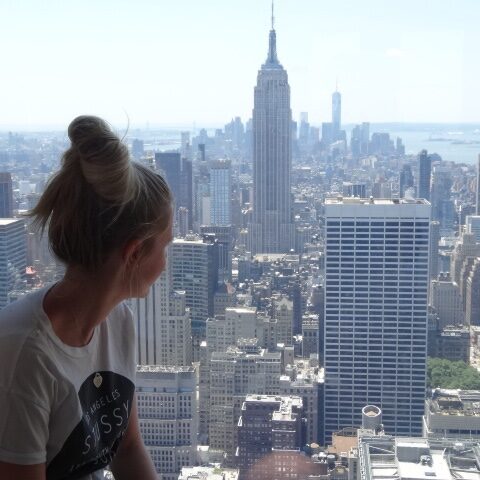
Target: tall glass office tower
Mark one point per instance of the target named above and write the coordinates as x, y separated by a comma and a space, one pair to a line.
220, 193
424, 174
377, 254
272, 229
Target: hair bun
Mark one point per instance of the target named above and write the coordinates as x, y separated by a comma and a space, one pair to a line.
103, 158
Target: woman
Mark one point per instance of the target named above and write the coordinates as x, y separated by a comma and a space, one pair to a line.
67, 397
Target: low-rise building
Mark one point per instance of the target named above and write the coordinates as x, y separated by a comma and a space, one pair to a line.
452, 413
307, 382
384, 457
451, 343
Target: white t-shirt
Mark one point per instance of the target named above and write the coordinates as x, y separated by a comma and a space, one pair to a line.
64, 406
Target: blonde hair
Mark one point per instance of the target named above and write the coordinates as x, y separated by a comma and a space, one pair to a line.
100, 199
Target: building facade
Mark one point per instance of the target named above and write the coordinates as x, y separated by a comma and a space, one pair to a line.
6, 195
13, 257
424, 175
376, 311
178, 174
220, 193
163, 325
194, 270
167, 412
447, 302
452, 414
268, 426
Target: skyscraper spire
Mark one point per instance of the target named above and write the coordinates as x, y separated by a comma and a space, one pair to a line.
272, 59
273, 18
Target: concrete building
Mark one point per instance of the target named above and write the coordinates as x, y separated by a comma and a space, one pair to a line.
472, 295
272, 229
307, 382
220, 193
224, 331
477, 203
310, 335
224, 298
384, 456
283, 313
451, 343
182, 222
13, 258
240, 322
241, 370
465, 247
452, 414
376, 311
447, 302
164, 332
434, 251
167, 411
270, 435
472, 225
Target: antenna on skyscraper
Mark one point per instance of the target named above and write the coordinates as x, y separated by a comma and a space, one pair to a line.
273, 18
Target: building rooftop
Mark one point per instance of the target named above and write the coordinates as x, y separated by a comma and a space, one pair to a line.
455, 402
163, 369
341, 200
208, 473
9, 221
384, 457
286, 405
276, 257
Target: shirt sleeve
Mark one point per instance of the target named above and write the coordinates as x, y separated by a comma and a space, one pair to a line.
23, 429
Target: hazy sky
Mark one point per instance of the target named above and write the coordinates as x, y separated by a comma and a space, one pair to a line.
180, 62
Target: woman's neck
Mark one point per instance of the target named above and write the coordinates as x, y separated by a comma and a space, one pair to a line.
80, 302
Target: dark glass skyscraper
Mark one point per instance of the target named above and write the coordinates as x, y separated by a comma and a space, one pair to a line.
272, 229
6, 195
424, 174
406, 179
178, 174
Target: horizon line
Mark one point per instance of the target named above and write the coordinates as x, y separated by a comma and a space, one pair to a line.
55, 127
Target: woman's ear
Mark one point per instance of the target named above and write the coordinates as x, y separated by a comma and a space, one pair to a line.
131, 251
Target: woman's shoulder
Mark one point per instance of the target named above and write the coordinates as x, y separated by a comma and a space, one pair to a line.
22, 348
22, 315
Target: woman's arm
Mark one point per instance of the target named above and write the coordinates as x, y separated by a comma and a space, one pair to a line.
132, 461
10, 471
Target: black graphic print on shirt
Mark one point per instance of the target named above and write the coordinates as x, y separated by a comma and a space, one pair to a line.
106, 400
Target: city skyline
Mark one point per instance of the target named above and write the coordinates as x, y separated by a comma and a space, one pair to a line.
392, 65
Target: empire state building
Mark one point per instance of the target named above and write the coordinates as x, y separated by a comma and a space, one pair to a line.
272, 229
